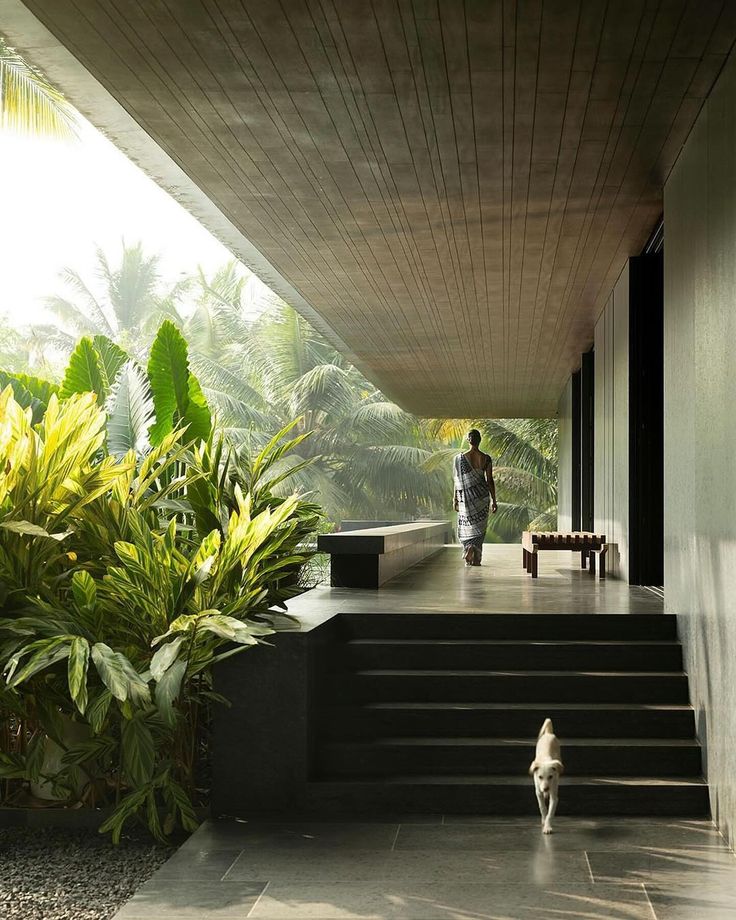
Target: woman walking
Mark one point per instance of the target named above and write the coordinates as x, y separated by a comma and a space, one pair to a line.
475, 490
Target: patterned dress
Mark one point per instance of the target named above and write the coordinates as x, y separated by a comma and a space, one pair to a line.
474, 500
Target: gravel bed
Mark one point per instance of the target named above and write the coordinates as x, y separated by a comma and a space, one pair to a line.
59, 874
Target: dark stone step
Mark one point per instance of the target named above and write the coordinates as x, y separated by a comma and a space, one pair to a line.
516, 686
521, 626
490, 654
603, 720
509, 795
487, 756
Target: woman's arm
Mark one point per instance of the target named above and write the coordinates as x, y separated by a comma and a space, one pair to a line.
491, 485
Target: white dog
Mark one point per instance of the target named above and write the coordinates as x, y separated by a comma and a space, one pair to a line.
546, 769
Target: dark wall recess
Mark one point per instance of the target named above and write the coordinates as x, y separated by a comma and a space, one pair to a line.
576, 431
646, 418
587, 422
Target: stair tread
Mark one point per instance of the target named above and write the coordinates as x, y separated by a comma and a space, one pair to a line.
480, 705
518, 742
455, 672
518, 780
388, 640
512, 615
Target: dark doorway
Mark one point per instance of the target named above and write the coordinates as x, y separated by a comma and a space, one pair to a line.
587, 421
576, 458
646, 414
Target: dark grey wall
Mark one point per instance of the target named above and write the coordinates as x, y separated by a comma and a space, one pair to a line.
700, 428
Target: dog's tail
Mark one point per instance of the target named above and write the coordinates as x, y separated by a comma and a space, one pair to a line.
546, 729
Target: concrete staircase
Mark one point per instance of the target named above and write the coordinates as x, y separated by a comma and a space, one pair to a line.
439, 713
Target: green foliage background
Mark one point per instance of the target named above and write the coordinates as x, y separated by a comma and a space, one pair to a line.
261, 365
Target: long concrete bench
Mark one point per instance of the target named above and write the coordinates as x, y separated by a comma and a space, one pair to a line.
368, 558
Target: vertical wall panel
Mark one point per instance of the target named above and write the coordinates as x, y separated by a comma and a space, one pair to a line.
700, 428
612, 424
565, 459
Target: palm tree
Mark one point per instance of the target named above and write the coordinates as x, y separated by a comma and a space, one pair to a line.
367, 453
28, 102
217, 322
259, 369
126, 304
524, 455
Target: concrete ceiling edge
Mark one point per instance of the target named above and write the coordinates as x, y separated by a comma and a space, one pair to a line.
39, 46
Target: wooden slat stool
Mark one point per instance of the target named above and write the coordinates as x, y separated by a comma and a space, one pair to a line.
583, 542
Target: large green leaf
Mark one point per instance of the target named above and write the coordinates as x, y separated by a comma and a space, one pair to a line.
97, 711
130, 412
164, 658
47, 652
111, 355
77, 672
177, 396
138, 751
168, 689
85, 372
30, 392
118, 675
127, 807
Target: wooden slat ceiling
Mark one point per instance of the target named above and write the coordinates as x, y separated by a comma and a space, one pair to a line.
452, 186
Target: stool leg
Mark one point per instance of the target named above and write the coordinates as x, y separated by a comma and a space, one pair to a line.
591, 561
602, 565
535, 561
523, 558
583, 556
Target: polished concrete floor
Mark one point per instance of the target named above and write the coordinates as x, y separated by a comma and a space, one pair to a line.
499, 585
444, 868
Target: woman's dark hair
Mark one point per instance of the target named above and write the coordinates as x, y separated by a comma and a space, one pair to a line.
474, 437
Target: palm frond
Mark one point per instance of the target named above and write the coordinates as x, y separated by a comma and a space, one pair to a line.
29, 103
379, 421
130, 412
324, 388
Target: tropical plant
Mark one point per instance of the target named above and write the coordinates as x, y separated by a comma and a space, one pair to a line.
132, 561
28, 102
126, 303
365, 454
49, 474
366, 457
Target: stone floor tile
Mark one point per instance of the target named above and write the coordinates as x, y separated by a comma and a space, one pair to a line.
664, 866
205, 865
294, 835
429, 866
570, 833
704, 900
174, 899
449, 901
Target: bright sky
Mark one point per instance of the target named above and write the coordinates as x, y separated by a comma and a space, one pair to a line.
60, 200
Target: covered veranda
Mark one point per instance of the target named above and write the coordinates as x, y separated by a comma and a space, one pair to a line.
470, 201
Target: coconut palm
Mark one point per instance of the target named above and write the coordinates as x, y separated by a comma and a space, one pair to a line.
28, 102
524, 455
126, 302
366, 453
217, 322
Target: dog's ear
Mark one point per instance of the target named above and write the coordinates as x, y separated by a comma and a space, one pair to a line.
533, 767
560, 766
